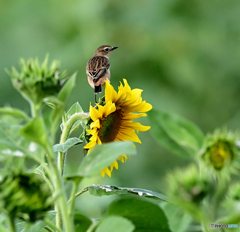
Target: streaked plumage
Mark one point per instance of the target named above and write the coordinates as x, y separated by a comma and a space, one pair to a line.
98, 68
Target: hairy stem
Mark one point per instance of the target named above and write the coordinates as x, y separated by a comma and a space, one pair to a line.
65, 134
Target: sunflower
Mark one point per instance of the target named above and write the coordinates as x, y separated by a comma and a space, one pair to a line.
113, 121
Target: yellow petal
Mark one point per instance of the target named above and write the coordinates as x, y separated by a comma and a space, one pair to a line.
91, 132
114, 165
142, 107
90, 145
95, 124
135, 126
94, 113
107, 171
131, 116
110, 93
128, 134
109, 108
123, 158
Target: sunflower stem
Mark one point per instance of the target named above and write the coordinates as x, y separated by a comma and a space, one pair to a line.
65, 134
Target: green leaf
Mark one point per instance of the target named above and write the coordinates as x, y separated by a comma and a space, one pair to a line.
180, 220
14, 112
175, 133
66, 91
105, 190
13, 144
101, 156
65, 146
38, 226
116, 224
63, 96
75, 108
81, 222
3, 220
35, 131
52, 102
145, 215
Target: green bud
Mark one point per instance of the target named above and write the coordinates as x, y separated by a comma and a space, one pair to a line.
188, 185
219, 149
35, 81
25, 195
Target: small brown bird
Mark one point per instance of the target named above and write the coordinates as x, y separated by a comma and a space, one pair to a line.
98, 68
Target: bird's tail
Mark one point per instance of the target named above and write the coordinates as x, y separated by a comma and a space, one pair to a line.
97, 89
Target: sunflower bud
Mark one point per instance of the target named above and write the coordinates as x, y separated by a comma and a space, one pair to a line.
35, 81
25, 195
188, 185
220, 149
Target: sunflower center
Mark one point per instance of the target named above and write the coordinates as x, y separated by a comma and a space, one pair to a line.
110, 127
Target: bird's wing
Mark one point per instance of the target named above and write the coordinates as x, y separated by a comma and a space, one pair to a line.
97, 67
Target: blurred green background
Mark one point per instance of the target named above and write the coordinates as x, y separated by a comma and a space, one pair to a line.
185, 55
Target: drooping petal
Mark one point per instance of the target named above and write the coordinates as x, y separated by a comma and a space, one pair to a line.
131, 116
136, 126
129, 134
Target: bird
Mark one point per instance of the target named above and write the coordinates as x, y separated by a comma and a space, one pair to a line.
98, 68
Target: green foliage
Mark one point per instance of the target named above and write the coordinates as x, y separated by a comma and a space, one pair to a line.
14, 113
12, 144
106, 190
35, 131
115, 223
63, 97
175, 133
63, 147
102, 156
25, 196
81, 222
145, 215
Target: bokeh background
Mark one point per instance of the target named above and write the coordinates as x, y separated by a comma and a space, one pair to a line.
184, 54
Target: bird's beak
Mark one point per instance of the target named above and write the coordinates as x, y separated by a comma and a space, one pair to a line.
113, 48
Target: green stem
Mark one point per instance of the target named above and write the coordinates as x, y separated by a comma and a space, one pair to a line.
11, 224
35, 108
80, 193
65, 134
61, 205
72, 198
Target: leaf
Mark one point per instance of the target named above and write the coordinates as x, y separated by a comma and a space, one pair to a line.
102, 156
180, 220
38, 226
81, 222
66, 91
13, 144
105, 190
116, 224
175, 133
65, 146
75, 108
14, 112
145, 215
63, 96
52, 102
35, 131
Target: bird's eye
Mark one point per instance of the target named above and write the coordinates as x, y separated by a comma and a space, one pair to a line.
106, 49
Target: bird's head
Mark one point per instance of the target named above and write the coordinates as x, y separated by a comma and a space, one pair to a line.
104, 50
